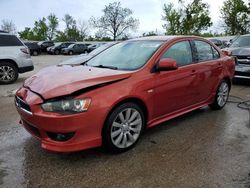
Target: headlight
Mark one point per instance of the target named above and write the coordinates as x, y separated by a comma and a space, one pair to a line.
67, 106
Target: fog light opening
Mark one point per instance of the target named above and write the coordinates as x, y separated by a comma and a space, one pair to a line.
61, 137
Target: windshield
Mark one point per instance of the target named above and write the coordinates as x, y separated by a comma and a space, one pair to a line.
71, 46
241, 41
129, 55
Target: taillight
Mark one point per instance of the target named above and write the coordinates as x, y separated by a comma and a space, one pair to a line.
25, 50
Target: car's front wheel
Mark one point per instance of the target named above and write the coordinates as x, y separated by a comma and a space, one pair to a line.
222, 95
123, 127
57, 52
70, 52
8, 73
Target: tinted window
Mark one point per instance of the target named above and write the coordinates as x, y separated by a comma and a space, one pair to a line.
181, 52
9, 40
204, 51
241, 41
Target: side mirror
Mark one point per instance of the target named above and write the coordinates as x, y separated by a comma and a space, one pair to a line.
167, 64
226, 52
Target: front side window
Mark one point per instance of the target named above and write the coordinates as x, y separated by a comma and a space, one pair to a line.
181, 52
128, 55
204, 51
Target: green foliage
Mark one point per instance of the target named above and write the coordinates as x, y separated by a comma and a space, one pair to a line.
151, 33
116, 21
71, 31
41, 29
189, 19
235, 14
52, 26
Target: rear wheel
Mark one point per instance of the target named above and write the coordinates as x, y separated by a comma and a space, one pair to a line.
35, 53
8, 73
70, 53
57, 52
221, 96
123, 128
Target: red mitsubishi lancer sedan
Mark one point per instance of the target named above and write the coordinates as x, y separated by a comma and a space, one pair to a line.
113, 97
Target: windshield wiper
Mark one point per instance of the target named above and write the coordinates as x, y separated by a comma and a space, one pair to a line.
108, 67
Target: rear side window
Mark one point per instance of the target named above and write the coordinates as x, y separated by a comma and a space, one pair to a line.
181, 52
205, 51
10, 40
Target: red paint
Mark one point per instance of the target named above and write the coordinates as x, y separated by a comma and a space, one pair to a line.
166, 95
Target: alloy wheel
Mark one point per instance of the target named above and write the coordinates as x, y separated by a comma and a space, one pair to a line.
223, 94
7, 73
126, 128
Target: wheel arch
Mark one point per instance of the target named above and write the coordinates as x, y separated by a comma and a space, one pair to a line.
10, 61
228, 80
135, 100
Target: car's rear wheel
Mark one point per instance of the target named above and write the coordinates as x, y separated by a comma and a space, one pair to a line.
35, 53
8, 73
70, 53
123, 127
221, 97
57, 52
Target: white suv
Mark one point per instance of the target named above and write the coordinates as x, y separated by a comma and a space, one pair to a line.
14, 58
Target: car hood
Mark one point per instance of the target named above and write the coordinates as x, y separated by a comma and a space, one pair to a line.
64, 80
240, 51
76, 60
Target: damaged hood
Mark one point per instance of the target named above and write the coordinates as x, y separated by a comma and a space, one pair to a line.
63, 80
240, 51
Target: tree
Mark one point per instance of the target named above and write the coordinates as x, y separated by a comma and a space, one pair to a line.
71, 31
116, 20
52, 25
191, 18
41, 29
8, 26
235, 16
151, 33
83, 29
27, 34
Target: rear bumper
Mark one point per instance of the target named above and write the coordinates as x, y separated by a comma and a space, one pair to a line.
26, 69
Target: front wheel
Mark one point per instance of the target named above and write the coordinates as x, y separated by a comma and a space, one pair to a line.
221, 96
123, 128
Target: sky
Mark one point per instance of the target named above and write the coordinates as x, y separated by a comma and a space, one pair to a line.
149, 12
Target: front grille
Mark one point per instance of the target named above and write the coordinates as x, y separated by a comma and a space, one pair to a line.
22, 105
243, 60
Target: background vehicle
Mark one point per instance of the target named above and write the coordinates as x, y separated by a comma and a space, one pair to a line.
240, 48
94, 46
219, 43
130, 86
75, 49
45, 44
57, 48
81, 59
14, 58
34, 48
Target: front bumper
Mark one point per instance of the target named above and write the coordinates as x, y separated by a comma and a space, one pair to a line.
242, 71
85, 128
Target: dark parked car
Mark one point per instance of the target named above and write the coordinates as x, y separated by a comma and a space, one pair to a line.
94, 46
75, 49
219, 43
58, 48
83, 58
34, 48
240, 48
45, 44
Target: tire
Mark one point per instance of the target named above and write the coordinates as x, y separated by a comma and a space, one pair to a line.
8, 73
57, 52
123, 128
70, 53
221, 97
35, 53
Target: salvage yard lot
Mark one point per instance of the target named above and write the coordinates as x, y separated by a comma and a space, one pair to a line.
203, 148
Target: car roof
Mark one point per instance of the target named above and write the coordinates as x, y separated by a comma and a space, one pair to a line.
164, 38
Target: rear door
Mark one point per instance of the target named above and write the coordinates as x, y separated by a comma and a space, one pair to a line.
209, 68
176, 89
